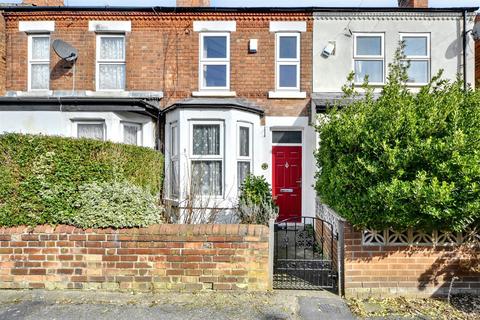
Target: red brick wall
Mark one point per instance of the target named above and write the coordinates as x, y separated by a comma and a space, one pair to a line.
162, 54
3, 57
177, 257
415, 270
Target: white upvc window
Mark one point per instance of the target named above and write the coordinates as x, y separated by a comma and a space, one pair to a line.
369, 57
111, 62
38, 62
207, 158
132, 133
244, 151
417, 53
287, 60
90, 129
214, 61
174, 161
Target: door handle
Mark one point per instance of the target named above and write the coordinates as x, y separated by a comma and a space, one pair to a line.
299, 181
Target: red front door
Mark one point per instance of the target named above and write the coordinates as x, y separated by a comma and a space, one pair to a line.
287, 181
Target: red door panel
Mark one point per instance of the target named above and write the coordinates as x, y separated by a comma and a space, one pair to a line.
287, 181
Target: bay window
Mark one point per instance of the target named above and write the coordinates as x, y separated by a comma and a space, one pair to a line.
38, 62
417, 53
369, 58
244, 152
132, 133
174, 161
94, 129
215, 61
287, 61
110, 62
207, 158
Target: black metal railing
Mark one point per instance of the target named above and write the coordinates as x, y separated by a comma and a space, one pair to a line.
305, 254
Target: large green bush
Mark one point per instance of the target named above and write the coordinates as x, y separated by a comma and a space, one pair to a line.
40, 176
406, 159
255, 204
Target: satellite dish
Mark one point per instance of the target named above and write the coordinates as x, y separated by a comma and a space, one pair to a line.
65, 50
476, 32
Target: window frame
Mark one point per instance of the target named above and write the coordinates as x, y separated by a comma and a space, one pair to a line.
241, 158
139, 132
287, 61
93, 121
99, 61
214, 61
31, 61
174, 158
427, 58
220, 157
381, 57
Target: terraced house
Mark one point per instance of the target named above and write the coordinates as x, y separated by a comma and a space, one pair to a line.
223, 92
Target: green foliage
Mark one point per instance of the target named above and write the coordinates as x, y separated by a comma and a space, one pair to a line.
406, 159
40, 176
117, 204
256, 205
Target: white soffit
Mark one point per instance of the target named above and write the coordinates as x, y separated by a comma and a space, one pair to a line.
110, 26
206, 26
286, 26
36, 26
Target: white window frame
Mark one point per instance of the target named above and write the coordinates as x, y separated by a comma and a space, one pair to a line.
220, 157
139, 132
97, 121
214, 61
286, 61
427, 58
37, 61
174, 158
248, 158
369, 57
98, 61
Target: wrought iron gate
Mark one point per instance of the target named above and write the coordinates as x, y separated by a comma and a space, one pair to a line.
305, 254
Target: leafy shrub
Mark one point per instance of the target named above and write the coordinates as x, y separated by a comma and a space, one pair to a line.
117, 204
256, 205
40, 176
404, 160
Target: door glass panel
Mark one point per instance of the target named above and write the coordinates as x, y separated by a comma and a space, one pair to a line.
286, 137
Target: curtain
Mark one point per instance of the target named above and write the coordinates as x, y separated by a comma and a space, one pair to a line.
112, 48
130, 134
91, 131
112, 76
244, 142
40, 48
206, 139
174, 177
40, 76
243, 170
207, 177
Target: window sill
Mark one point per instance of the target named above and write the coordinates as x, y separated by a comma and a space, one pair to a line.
214, 94
287, 95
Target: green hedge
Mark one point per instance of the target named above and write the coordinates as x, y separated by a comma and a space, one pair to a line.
40, 176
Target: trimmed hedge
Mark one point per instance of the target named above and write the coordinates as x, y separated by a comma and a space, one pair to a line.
40, 176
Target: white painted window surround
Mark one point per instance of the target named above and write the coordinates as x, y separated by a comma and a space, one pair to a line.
38, 62
36, 26
110, 26
214, 26
111, 62
417, 53
288, 26
369, 57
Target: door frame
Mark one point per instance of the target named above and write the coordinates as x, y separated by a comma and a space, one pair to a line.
302, 145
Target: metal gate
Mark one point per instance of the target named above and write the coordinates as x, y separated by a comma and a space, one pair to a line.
305, 254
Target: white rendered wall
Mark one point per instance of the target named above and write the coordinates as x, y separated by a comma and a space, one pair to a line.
63, 123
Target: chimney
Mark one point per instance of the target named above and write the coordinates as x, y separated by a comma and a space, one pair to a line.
193, 3
44, 3
413, 3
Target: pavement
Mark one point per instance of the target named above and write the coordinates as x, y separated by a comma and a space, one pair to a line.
73, 305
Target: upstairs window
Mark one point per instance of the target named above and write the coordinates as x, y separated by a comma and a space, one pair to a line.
110, 62
369, 58
287, 61
417, 53
215, 61
38, 62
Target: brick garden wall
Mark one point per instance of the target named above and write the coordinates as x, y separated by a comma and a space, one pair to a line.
162, 257
408, 270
